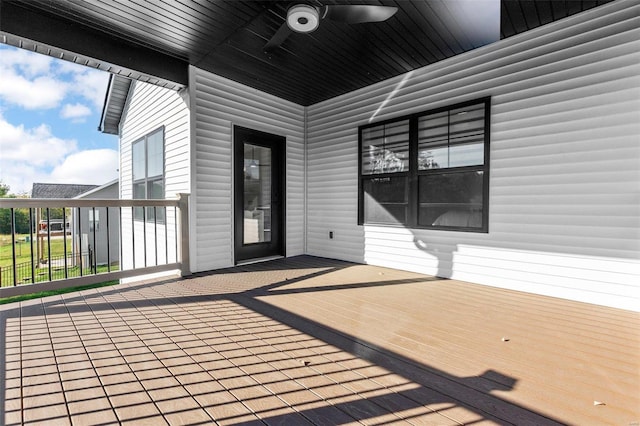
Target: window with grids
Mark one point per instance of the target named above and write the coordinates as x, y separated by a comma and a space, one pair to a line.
385, 172
427, 170
148, 174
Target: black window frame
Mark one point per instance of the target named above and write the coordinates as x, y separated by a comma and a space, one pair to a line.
148, 213
413, 174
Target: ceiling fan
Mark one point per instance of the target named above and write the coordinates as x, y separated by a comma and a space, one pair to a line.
304, 18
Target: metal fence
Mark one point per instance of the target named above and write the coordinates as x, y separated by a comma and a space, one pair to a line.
78, 265
101, 240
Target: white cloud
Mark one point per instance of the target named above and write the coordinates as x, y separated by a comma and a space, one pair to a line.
20, 177
42, 92
29, 155
35, 81
76, 112
28, 63
35, 155
87, 82
96, 166
36, 146
68, 67
91, 85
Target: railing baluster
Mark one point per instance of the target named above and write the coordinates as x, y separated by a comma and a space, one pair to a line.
49, 241
108, 242
166, 236
94, 252
13, 246
64, 239
80, 240
31, 226
144, 234
175, 230
120, 222
155, 232
133, 236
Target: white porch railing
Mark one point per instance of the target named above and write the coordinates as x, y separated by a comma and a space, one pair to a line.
57, 243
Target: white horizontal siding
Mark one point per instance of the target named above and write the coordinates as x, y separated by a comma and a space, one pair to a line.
219, 104
564, 173
148, 108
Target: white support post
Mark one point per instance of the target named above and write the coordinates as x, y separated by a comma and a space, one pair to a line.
183, 206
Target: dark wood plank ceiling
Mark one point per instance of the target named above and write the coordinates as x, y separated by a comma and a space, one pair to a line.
228, 37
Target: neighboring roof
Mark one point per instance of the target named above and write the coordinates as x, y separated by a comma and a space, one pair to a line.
114, 101
58, 190
98, 189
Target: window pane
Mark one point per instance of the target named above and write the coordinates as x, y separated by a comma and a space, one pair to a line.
466, 136
155, 148
386, 200
151, 214
139, 192
451, 138
466, 121
451, 199
433, 139
155, 189
471, 154
385, 148
257, 197
94, 220
138, 213
138, 159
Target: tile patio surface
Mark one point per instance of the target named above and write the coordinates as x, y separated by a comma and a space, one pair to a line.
314, 341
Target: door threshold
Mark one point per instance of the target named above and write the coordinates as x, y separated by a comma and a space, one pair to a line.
258, 260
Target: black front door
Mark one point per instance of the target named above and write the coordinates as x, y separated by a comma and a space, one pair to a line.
259, 194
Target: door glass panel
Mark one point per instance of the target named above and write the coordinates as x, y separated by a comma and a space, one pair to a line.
257, 194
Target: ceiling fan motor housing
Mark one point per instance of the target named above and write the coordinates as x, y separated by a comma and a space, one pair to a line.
303, 18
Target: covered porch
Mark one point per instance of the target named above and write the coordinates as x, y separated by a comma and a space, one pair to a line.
306, 340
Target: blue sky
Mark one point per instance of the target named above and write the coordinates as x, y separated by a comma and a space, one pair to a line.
49, 115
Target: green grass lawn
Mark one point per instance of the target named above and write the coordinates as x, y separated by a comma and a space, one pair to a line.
23, 249
41, 271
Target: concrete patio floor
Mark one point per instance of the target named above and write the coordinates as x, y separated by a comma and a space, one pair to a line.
315, 341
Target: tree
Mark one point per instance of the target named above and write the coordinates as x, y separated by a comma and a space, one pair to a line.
21, 216
4, 190
5, 221
22, 221
5, 214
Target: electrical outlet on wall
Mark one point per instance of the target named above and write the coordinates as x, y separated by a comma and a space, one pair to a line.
331, 235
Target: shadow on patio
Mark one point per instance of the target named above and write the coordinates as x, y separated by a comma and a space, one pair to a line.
309, 340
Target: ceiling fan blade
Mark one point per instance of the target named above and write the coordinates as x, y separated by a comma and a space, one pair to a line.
278, 38
357, 13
